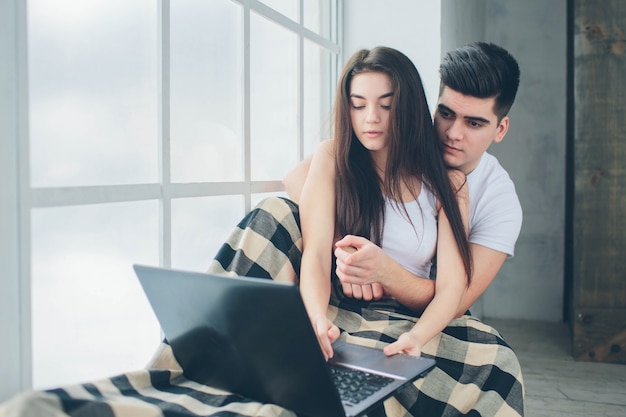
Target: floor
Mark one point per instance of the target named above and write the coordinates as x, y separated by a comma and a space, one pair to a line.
556, 385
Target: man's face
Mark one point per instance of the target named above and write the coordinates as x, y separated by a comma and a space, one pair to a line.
466, 126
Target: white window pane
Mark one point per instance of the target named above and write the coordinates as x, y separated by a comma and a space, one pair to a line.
317, 16
273, 98
90, 318
287, 7
93, 92
317, 96
199, 228
206, 90
258, 197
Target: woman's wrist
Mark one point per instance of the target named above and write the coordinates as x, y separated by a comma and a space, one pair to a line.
316, 315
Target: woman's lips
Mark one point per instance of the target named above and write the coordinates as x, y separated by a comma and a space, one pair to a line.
373, 133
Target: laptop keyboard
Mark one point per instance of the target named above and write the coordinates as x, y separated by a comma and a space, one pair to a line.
354, 385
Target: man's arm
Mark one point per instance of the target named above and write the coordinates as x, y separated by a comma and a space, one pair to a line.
487, 263
417, 292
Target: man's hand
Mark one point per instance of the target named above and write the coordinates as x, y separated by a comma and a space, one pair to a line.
359, 268
326, 333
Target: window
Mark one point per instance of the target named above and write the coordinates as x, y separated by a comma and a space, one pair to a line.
151, 127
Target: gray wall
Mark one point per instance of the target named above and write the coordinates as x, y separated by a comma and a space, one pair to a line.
530, 285
409, 26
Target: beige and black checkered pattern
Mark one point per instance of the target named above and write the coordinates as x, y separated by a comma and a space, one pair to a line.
477, 373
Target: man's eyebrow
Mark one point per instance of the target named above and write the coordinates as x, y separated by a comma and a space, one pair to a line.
477, 119
447, 109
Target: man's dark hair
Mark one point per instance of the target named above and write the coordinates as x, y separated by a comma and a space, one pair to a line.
482, 70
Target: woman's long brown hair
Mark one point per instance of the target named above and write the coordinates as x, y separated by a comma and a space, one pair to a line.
414, 151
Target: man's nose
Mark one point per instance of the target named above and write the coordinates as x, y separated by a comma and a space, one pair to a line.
455, 130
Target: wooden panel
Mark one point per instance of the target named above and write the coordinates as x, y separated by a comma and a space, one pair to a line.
600, 335
599, 212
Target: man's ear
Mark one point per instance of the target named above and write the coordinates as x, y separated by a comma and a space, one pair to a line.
503, 127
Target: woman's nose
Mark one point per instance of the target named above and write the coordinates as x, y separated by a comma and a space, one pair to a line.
372, 115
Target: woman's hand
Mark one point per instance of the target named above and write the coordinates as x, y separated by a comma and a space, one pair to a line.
326, 333
360, 268
407, 343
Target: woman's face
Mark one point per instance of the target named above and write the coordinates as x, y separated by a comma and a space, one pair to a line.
371, 94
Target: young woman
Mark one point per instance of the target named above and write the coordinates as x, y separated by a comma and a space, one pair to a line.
381, 185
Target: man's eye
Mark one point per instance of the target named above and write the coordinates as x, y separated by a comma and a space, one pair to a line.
475, 124
444, 114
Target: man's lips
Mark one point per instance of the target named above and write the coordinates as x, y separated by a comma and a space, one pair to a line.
450, 149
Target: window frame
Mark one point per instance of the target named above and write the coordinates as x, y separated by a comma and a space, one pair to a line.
20, 198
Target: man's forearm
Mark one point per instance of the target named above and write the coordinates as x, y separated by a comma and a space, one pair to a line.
486, 262
416, 292
410, 290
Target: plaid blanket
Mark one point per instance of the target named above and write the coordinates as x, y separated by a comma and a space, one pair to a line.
477, 373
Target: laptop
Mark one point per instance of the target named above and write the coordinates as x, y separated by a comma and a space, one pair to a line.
252, 337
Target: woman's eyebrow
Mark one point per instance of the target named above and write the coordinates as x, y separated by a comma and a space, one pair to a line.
389, 94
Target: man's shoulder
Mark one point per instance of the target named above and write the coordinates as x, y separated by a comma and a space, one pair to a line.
489, 167
491, 188
489, 172
495, 210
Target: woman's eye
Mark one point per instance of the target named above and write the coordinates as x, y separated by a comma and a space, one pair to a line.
386, 107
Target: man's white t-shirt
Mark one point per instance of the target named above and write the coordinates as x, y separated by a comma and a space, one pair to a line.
495, 211
495, 219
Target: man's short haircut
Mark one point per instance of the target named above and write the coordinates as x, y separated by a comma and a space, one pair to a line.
482, 70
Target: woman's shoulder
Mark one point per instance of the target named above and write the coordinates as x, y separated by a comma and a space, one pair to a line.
324, 152
327, 146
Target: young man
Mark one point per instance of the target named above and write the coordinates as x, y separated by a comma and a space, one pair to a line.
475, 97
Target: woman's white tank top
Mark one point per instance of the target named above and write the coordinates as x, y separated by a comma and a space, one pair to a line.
412, 243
